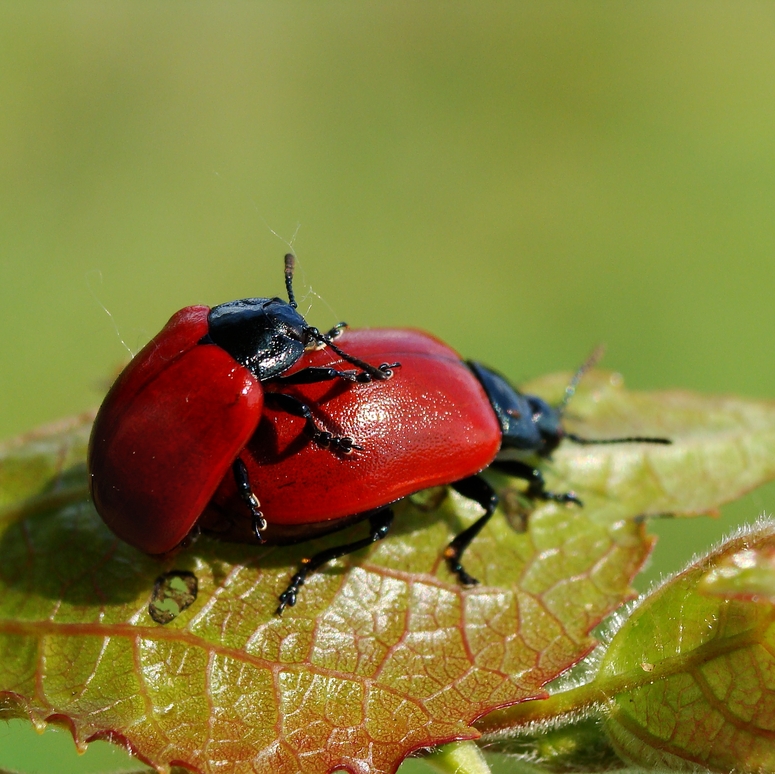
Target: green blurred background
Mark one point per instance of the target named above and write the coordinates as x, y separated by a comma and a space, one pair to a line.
525, 180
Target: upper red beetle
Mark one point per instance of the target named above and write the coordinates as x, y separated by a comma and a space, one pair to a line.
180, 413
242, 402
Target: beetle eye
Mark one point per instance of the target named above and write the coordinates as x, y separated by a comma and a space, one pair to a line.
307, 339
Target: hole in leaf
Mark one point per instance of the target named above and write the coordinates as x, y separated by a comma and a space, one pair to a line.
173, 592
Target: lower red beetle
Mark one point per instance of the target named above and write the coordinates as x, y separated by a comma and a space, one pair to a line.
246, 402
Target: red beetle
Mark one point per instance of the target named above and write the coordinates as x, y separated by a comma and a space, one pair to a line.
245, 401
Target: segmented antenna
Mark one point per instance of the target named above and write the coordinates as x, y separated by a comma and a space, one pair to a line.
590, 362
380, 374
290, 265
570, 390
631, 439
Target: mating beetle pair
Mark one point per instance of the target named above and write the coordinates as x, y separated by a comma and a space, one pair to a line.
246, 423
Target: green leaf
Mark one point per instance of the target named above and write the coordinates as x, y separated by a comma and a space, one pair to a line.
723, 447
687, 678
384, 653
748, 574
710, 696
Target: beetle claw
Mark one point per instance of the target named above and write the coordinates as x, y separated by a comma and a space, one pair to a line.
288, 597
565, 498
285, 601
387, 369
456, 568
346, 445
259, 525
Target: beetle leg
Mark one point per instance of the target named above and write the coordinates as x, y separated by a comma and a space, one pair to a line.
318, 374
476, 489
333, 333
325, 373
337, 330
246, 493
380, 525
324, 439
536, 486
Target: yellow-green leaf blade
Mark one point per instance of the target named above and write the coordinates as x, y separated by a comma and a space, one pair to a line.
723, 446
696, 673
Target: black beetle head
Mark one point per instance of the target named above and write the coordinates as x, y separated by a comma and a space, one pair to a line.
548, 421
266, 335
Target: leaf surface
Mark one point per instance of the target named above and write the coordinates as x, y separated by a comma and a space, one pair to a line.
724, 446
710, 694
746, 574
384, 653
687, 680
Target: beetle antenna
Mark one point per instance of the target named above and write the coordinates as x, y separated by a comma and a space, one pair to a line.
631, 439
290, 265
590, 362
570, 390
383, 372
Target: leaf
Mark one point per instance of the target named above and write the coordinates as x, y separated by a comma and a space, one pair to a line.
723, 447
710, 697
458, 758
384, 653
748, 574
689, 677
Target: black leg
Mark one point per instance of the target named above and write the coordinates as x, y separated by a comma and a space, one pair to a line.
325, 374
324, 439
319, 374
337, 330
478, 490
536, 486
368, 372
380, 525
246, 493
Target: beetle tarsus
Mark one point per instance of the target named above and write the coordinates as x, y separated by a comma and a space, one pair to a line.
466, 580
338, 443
563, 497
337, 330
477, 489
386, 369
245, 490
536, 485
288, 597
342, 444
380, 526
331, 334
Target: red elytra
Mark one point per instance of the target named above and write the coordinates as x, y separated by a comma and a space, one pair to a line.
167, 433
431, 424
